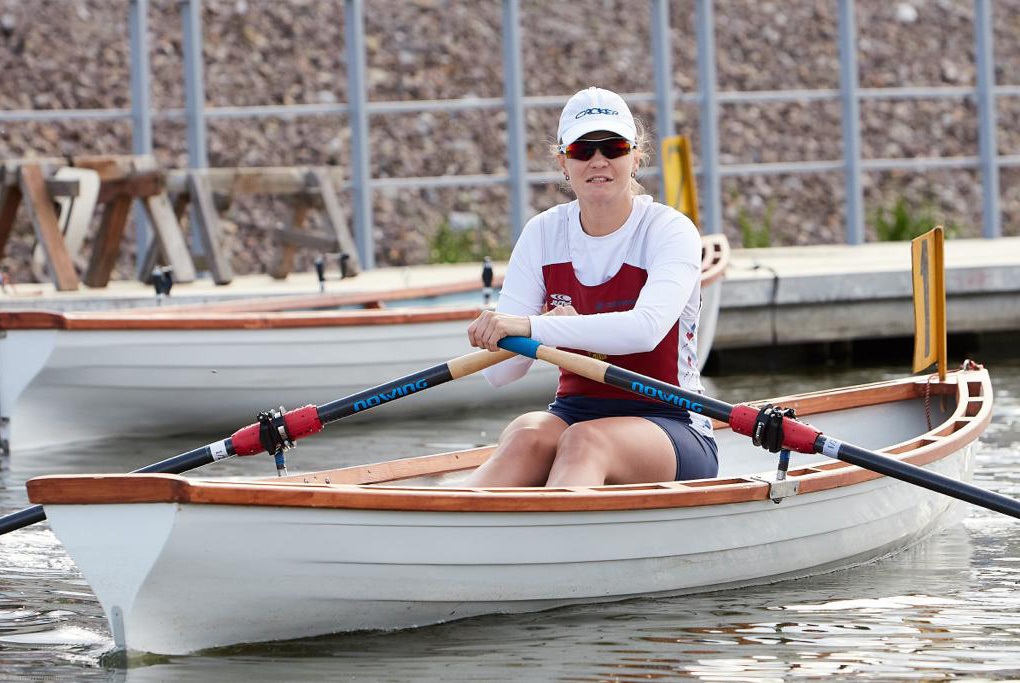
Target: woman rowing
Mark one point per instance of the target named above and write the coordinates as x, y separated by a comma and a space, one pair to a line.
615, 275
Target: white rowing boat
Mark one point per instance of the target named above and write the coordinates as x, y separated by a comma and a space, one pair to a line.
183, 564
73, 376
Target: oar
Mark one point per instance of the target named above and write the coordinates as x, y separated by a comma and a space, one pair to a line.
296, 424
797, 436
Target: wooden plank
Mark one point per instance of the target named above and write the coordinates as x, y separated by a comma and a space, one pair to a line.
336, 218
208, 225
108, 166
74, 215
10, 200
166, 231
44, 220
283, 262
106, 247
138, 184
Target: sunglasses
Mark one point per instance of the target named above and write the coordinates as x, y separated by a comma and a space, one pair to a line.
583, 150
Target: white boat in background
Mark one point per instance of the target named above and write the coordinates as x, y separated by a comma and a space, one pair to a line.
401, 544
73, 376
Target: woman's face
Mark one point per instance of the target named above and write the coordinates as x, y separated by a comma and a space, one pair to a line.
600, 179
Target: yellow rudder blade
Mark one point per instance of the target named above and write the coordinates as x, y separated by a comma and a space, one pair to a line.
928, 269
678, 171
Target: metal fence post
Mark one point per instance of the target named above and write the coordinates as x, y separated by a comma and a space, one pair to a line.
662, 61
513, 93
711, 221
194, 101
987, 123
141, 109
848, 81
357, 98
194, 83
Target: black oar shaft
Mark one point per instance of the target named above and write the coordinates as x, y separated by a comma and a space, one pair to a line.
933, 481
300, 422
797, 435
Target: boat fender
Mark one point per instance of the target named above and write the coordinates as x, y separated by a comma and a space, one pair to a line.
298, 423
795, 435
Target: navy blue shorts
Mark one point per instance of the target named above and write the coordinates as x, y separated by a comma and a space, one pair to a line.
696, 454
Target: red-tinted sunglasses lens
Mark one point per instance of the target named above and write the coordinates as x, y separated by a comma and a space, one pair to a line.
582, 150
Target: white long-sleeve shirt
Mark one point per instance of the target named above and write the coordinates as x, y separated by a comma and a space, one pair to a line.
655, 238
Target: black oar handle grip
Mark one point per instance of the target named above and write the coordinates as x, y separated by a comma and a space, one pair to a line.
797, 436
300, 422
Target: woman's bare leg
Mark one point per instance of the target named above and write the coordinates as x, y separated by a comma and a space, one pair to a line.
525, 452
613, 450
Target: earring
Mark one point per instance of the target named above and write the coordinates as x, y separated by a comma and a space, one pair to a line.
566, 176
633, 174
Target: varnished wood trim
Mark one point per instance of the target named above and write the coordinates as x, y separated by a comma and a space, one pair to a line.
363, 486
35, 320
405, 468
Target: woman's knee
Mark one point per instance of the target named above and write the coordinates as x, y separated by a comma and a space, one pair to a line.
530, 435
580, 444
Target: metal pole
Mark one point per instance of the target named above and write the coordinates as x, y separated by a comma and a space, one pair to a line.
141, 110
662, 59
361, 191
851, 123
194, 83
513, 93
194, 102
711, 221
983, 48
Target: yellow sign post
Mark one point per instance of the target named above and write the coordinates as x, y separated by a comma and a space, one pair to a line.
678, 171
928, 268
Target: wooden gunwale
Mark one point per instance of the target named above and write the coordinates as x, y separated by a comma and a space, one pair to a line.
365, 487
715, 256
42, 320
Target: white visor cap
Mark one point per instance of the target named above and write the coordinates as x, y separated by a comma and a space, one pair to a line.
595, 109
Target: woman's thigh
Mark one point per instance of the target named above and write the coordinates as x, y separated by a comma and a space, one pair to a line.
524, 454
613, 450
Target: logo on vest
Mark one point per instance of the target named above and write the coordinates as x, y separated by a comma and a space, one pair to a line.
560, 299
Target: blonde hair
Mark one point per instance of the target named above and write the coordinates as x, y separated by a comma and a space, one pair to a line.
643, 146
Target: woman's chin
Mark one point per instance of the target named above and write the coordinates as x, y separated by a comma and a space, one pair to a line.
601, 192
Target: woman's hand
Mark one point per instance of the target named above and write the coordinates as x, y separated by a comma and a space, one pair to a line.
490, 327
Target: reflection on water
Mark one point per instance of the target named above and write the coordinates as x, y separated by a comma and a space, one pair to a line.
948, 607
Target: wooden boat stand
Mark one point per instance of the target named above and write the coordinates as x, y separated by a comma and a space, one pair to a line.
307, 188
124, 179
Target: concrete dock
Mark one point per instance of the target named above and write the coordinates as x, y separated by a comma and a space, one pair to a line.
793, 295
771, 297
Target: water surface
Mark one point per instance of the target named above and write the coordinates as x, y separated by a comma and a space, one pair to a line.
946, 608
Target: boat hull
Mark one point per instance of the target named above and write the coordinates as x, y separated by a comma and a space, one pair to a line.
100, 383
182, 564
281, 573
